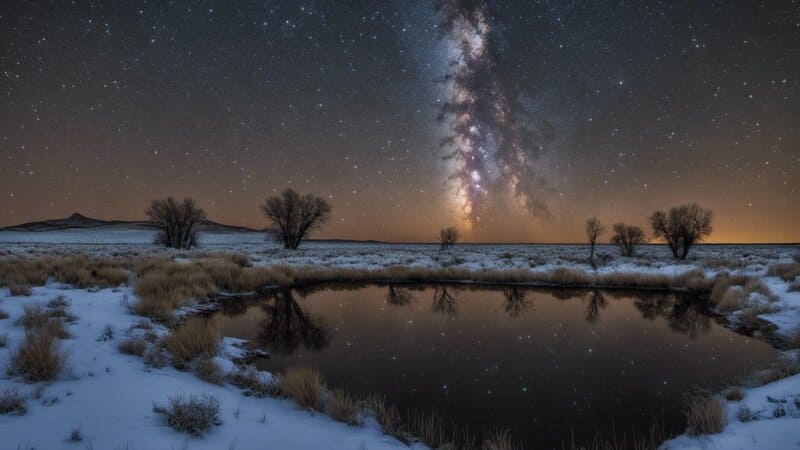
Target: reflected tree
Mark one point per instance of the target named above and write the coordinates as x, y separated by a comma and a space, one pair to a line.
516, 304
689, 320
596, 302
444, 302
654, 305
288, 328
398, 296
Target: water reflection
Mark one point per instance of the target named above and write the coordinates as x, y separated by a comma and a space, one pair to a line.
399, 296
444, 302
596, 302
288, 328
516, 303
544, 363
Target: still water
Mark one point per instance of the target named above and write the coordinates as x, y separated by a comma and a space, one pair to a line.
545, 364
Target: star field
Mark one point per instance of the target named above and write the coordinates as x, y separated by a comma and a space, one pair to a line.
108, 105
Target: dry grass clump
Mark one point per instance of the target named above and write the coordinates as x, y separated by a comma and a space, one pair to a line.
794, 287
731, 292
3, 340
193, 414
161, 291
23, 272
784, 368
39, 357
254, 383
734, 394
155, 357
12, 402
787, 271
83, 272
33, 315
499, 440
705, 415
208, 370
133, 346
388, 417
343, 407
304, 385
195, 338
19, 290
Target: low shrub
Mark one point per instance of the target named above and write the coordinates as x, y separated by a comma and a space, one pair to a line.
39, 357
133, 346
22, 290
191, 414
343, 408
155, 357
208, 370
734, 394
12, 402
304, 385
3, 315
786, 271
195, 338
255, 382
705, 415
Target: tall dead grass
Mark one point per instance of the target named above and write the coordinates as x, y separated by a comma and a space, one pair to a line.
39, 357
731, 292
304, 385
197, 337
787, 271
79, 271
705, 415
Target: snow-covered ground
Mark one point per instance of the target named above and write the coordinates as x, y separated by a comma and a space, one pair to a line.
767, 417
101, 378
109, 396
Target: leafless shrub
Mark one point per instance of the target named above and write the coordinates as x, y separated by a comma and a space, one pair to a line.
191, 414
75, 435
195, 338
343, 408
12, 402
176, 221
627, 237
682, 227
107, 334
705, 415
295, 216
155, 357
133, 346
744, 414
208, 370
254, 383
448, 237
304, 385
39, 357
3, 315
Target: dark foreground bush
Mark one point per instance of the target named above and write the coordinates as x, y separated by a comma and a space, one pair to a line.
192, 414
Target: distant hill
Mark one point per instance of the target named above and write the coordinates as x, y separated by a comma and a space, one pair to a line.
78, 221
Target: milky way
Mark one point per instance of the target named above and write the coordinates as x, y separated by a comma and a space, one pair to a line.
492, 141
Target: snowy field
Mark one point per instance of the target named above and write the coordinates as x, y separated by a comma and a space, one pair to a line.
109, 396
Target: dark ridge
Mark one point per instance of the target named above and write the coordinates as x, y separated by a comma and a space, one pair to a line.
79, 221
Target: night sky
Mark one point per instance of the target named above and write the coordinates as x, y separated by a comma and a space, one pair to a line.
550, 112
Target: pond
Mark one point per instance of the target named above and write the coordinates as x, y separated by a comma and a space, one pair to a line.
548, 365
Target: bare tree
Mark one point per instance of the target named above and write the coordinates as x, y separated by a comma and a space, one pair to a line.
448, 237
627, 237
682, 227
176, 221
296, 215
593, 230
